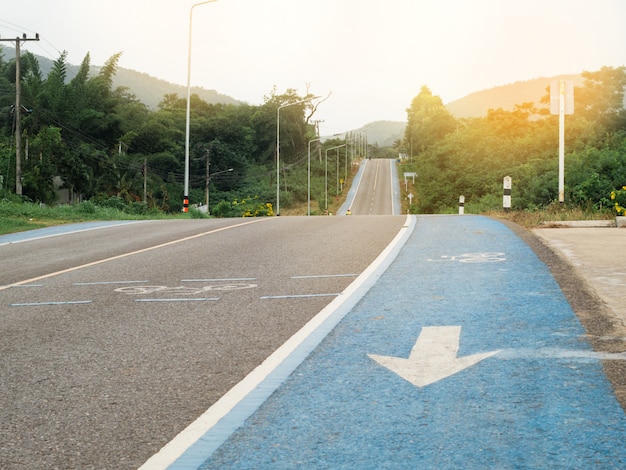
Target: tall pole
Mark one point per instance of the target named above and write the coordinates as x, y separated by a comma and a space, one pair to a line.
18, 110
278, 147
561, 141
308, 212
326, 174
208, 211
188, 115
206, 181
18, 122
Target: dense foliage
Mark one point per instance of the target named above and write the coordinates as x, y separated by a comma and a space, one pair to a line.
105, 146
471, 157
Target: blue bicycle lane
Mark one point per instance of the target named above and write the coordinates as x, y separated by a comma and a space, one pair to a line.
463, 354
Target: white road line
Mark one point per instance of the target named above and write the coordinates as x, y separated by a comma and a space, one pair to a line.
143, 250
324, 276
391, 184
28, 238
298, 296
255, 388
107, 283
220, 280
199, 299
36, 304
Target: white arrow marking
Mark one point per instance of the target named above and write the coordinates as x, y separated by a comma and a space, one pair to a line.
434, 357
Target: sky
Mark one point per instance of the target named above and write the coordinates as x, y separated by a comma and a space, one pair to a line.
371, 57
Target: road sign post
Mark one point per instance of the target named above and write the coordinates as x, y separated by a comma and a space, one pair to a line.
561, 103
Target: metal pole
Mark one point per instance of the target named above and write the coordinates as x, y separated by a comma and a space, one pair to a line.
278, 159
278, 147
188, 114
308, 212
561, 141
326, 174
326, 183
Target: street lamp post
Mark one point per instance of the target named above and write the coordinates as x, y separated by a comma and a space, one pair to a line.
309, 177
278, 147
208, 179
326, 173
186, 190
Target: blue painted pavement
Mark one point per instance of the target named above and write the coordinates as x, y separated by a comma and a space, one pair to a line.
540, 401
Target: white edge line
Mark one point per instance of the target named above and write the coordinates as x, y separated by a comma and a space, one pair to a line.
88, 229
190, 299
391, 183
323, 276
220, 280
107, 283
358, 185
37, 304
328, 317
124, 255
298, 296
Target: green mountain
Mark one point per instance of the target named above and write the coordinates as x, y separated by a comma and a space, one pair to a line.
148, 89
382, 133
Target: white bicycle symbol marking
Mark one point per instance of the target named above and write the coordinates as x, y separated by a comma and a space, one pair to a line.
486, 257
181, 290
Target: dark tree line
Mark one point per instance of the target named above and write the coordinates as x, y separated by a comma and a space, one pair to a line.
101, 142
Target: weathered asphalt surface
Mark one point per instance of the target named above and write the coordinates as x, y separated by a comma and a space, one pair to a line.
113, 340
106, 384
540, 398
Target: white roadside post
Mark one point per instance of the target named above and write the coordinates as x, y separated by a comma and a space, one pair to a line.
506, 197
461, 205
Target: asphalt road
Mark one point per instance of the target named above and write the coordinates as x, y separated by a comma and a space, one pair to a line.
375, 195
113, 340
465, 353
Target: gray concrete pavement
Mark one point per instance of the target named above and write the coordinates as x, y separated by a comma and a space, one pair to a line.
598, 254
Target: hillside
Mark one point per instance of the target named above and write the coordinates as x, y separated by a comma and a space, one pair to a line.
383, 133
506, 97
148, 89
151, 90
476, 104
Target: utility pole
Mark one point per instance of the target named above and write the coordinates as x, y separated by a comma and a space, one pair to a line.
18, 111
316, 123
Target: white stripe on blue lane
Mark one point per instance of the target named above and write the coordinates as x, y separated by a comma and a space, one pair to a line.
192, 446
342, 409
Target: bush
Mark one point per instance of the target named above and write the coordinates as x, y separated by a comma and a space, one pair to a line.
86, 207
618, 197
248, 207
197, 214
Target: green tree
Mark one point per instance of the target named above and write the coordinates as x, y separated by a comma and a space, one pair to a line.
428, 121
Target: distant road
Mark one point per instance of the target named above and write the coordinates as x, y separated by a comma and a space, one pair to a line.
374, 195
